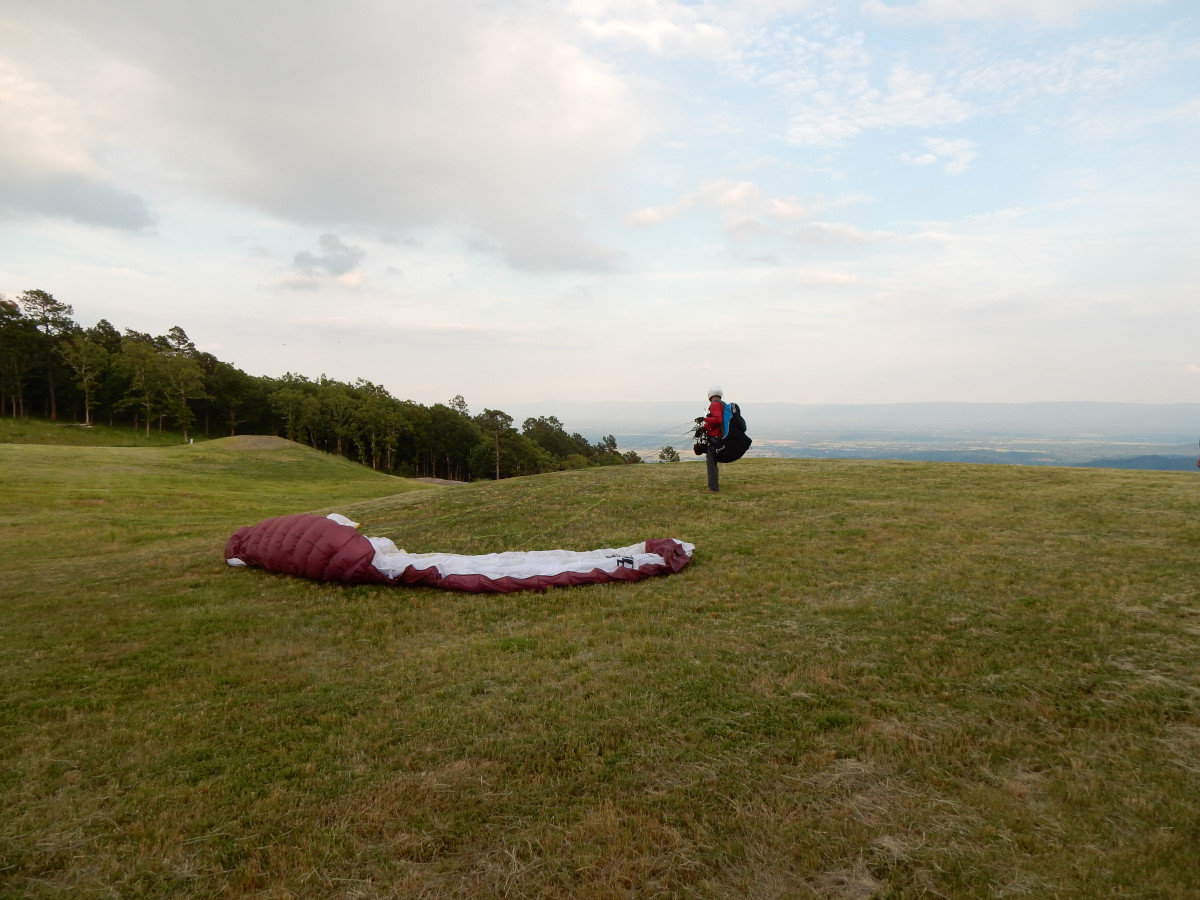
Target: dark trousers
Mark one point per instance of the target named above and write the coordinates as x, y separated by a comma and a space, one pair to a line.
710, 463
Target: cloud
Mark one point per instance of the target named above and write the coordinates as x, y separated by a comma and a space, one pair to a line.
847, 105
838, 233
74, 196
748, 211
662, 29
1101, 126
1084, 69
46, 165
924, 159
744, 207
673, 29
836, 85
957, 154
548, 238
337, 257
925, 12
336, 263
396, 117
818, 277
1019, 212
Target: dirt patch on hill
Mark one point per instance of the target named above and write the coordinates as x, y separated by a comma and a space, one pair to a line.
438, 481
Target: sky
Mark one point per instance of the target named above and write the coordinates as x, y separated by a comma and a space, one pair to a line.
875, 201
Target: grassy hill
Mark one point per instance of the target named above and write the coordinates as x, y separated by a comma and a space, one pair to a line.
72, 434
876, 679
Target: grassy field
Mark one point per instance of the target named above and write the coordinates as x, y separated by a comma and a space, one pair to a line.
875, 680
72, 434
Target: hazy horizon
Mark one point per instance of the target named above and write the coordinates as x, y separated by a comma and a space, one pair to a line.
1042, 417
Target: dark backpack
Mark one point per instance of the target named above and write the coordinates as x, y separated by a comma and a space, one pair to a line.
733, 442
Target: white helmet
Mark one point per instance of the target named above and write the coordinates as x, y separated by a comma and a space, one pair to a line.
715, 391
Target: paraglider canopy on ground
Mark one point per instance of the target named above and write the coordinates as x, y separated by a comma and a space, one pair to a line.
330, 548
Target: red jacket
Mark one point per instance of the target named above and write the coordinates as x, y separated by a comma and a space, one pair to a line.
714, 422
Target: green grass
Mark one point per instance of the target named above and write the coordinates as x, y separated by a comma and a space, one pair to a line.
72, 434
876, 679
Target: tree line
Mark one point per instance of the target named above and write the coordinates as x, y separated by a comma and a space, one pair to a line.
52, 367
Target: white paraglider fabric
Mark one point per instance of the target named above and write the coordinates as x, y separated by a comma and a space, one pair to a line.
392, 561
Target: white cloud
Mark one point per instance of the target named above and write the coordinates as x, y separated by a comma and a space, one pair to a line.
1104, 125
663, 29
427, 115
53, 136
1081, 70
838, 233
838, 87
744, 207
1018, 212
957, 154
926, 12
845, 104
814, 277
670, 28
923, 159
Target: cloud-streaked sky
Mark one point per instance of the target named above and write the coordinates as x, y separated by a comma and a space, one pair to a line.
808, 201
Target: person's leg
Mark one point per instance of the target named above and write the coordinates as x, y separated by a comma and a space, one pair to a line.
711, 464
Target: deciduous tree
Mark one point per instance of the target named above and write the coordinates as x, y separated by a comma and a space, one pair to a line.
494, 424
141, 362
18, 346
52, 319
89, 361
452, 437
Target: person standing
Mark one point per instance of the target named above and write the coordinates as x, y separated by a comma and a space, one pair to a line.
713, 425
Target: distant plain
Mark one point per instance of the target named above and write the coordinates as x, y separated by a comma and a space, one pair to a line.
1124, 435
